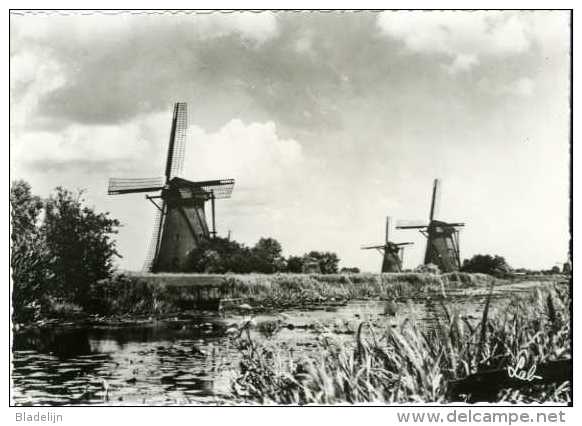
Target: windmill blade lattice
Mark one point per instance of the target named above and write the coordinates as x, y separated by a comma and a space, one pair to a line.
436, 198
134, 185
220, 188
177, 148
388, 228
404, 224
154, 241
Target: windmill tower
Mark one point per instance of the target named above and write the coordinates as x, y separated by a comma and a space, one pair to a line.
392, 252
180, 224
442, 238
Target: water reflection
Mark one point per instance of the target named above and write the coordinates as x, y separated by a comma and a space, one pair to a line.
156, 363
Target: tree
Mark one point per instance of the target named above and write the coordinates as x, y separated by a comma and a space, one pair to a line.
267, 256
213, 262
79, 239
29, 255
350, 270
486, 264
295, 264
26, 209
61, 255
219, 255
328, 261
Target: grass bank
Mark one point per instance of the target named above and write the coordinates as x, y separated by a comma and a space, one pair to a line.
168, 293
291, 289
456, 360
161, 294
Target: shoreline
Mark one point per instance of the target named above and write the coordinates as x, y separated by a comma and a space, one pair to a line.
261, 303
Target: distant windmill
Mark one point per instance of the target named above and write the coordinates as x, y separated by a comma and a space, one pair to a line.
393, 252
442, 245
180, 223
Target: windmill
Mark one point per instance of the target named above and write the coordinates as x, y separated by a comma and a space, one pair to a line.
180, 222
393, 252
442, 238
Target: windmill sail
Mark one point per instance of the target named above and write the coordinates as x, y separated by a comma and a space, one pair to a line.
435, 202
378, 246
175, 158
155, 239
180, 224
221, 188
411, 224
388, 226
127, 186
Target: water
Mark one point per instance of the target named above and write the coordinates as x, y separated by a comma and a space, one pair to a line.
187, 361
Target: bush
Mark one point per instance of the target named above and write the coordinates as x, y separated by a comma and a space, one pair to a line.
79, 239
59, 257
29, 257
486, 264
295, 264
428, 269
327, 261
267, 258
221, 255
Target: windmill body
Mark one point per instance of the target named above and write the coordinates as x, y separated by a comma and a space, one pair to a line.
442, 246
442, 238
180, 224
392, 252
392, 259
185, 225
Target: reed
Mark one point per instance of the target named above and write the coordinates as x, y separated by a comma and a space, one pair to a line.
414, 364
161, 294
168, 293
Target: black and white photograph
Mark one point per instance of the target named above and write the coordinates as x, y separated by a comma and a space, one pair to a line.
290, 208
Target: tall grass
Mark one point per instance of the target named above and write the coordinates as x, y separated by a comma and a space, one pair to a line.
166, 293
288, 289
411, 363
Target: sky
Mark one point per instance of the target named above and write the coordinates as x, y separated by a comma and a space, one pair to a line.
329, 122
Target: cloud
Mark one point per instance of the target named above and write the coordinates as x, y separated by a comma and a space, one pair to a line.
462, 37
523, 87
104, 27
303, 44
32, 76
251, 153
90, 68
462, 62
117, 147
114, 68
